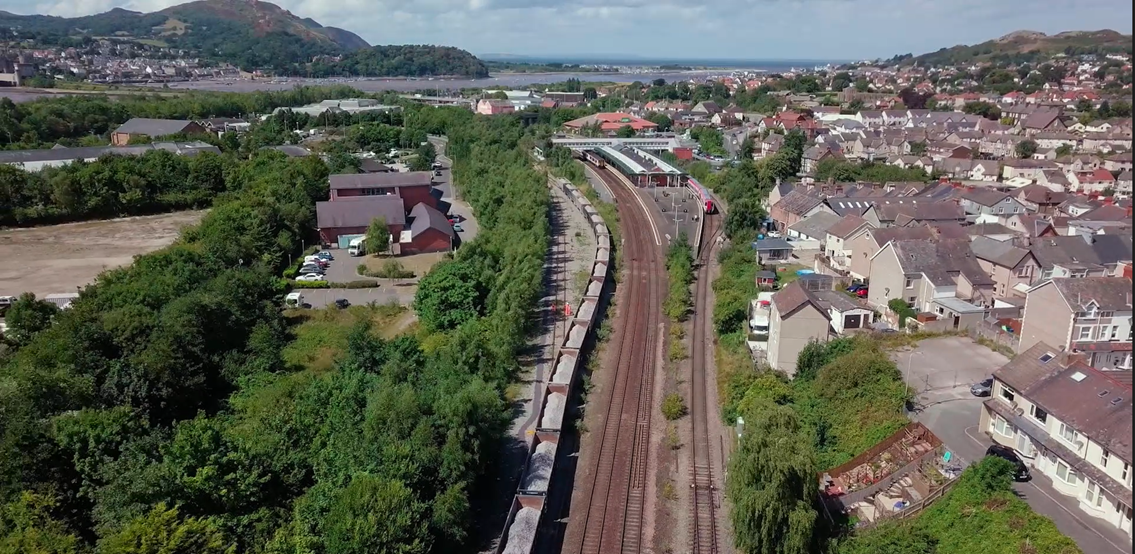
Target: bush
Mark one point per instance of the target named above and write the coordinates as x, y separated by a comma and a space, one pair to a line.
898, 305
360, 284
674, 407
309, 284
392, 269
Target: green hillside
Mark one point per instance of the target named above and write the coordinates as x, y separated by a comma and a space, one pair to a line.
1027, 47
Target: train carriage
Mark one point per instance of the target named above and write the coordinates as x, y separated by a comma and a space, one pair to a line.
703, 195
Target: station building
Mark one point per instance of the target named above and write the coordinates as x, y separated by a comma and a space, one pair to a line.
641, 168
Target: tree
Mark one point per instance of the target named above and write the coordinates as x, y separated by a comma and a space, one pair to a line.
376, 515
1104, 111
984, 109
378, 236
918, 148
662, 120
772, 484
744, 219
1064, 150
747, 148
27, 317
1026, 148
424, 157
26, 527
163, 531
448, 296
626, 131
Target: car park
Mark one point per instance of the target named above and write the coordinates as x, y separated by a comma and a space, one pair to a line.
1021, 472
984, 388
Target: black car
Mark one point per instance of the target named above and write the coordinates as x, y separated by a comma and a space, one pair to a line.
341, 303
1008, 454
984, 388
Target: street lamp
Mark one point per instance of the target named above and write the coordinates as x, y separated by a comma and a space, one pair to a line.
908, 360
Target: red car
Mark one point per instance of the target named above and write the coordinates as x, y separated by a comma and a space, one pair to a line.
861, 293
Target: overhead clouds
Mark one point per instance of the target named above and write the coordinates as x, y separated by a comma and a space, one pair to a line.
740, 29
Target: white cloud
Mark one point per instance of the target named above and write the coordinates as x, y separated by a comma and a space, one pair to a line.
748, 29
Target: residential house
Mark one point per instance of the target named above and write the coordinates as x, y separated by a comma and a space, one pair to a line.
922, 272
778, 191
814, 227
871, 118
1013, 269
1025, 169
1080, 256
770, 145
907, 213
908, 162
816, 154
1072, 423
1091, 182
1118, 162
794, 207
1050, 140
866, 241
1123, 184
707, 108
1040, 121
984, 205
1030, 226
1077, 163
836, 248
489, 106
943, 150
796, 318
1088, 315
1040, 199
772, 251
995, 231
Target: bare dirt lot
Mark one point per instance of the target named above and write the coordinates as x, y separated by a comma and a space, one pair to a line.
59, 258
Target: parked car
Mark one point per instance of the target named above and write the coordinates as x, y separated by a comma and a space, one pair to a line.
984, 388
309, 269
457, 227
861, 293
324, 255
855, 288
1010, 455
341, 303
311, 277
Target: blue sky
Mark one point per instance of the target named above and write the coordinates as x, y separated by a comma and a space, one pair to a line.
718, 29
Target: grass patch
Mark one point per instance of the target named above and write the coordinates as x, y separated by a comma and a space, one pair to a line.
674, 407
789, 275
417, 265
321, 335
677, 351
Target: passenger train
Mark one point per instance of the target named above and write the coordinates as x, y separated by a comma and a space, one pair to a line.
702, 194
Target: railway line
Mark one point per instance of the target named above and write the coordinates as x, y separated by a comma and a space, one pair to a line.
610, 502
705, 536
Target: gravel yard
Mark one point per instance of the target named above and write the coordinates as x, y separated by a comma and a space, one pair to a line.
59, 258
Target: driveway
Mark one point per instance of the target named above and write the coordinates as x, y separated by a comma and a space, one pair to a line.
941, 371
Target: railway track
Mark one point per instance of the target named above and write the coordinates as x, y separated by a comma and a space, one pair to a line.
615, 490
703, 530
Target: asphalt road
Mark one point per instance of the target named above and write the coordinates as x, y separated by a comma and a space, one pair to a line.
318, 298
941, 371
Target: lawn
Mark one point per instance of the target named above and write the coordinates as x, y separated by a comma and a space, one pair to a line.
320, 335
788, 274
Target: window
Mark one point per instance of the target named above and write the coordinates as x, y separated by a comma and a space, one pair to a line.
1002, 427
1007, 393
911, 300
1104, 457
910, 283
1069, 435
1107, 314
1038, 414
1093, 496
1066, 474
1024, 271
1126, 473
1000, 209
1083, 333
1114, 333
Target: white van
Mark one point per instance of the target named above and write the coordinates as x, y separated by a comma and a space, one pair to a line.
357, 247
293, 300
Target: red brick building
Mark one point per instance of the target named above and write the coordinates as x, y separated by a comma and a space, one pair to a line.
413, 187
429, 231
351, 217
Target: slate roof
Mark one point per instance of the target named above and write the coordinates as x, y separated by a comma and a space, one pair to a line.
1109, 293
939, 260
1001, 253
922, 211
381, 180
153, 127
816, 225
793, 297
985, 229
424, 218
1040, 194
60, 153
1098, 250
1041, 119
985, 197
771, 243
884, 235
798, 203
360, 212
1078, 403
290, 150
846, 225
1107, 212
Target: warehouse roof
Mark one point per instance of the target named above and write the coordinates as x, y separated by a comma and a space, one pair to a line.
360, 212
381, 180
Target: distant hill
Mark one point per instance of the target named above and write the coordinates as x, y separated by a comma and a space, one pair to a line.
1027, 46
253, 35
